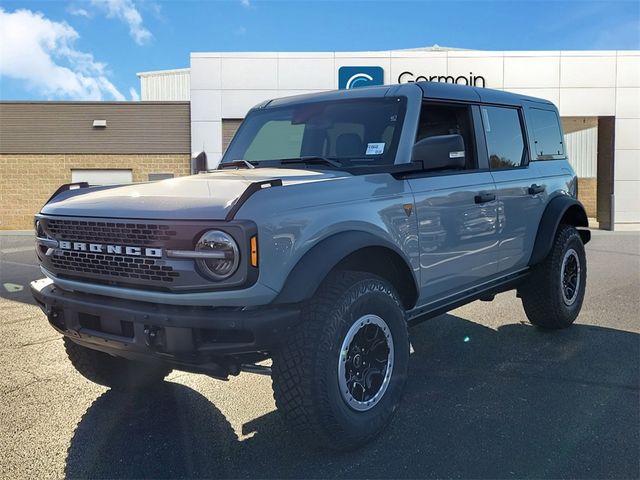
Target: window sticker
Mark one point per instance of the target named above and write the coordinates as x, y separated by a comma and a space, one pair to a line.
375, 148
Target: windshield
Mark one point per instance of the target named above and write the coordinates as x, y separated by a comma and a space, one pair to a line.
351, 132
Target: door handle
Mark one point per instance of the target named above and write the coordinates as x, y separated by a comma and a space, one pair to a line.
484, 197
535, 189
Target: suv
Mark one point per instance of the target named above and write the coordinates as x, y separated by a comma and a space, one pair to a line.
333, 222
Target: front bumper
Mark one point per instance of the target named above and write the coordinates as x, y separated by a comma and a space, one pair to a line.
193, 338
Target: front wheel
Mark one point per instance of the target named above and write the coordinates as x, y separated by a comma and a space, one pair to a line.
552, 295
340, 376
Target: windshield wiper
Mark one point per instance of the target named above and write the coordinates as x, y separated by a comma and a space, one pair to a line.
312, 159
236, 163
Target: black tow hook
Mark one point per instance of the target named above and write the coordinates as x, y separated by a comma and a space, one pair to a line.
56, 318
154, 337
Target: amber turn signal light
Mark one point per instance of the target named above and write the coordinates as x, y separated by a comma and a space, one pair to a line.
254, 251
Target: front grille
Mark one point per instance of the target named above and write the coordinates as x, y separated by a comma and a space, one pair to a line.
114, 266
104, 264
143, 234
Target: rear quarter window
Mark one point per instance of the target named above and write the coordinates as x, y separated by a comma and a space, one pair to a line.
548, 141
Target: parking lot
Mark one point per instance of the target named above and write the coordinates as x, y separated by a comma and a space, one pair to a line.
488, 396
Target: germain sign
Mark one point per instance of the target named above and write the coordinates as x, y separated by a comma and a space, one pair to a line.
360, 76
473, 80
364, 76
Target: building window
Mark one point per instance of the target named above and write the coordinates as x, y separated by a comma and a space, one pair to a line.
95, 176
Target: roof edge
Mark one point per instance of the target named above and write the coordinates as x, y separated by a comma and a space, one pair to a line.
170, 71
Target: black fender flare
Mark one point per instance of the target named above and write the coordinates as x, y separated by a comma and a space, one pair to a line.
314, 266
558, 209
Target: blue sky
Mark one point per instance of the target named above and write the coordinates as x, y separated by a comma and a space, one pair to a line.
92, 49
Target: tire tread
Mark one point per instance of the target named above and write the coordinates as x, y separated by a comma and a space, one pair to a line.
294, 364
540, 293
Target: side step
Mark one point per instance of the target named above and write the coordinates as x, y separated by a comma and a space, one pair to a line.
486, 292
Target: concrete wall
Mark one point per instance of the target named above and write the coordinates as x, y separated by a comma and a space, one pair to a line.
580, 83
27, 181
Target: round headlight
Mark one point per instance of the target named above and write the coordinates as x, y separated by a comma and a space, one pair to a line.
220, 257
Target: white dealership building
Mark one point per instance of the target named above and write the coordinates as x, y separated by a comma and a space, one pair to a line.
597, 93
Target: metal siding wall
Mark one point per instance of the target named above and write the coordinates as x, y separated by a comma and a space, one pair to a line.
582, 148
166, 86
132, 127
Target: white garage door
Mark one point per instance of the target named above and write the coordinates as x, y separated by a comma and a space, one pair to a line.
101, 176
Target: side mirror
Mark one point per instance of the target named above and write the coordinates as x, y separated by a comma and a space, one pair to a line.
442, 152
199, 163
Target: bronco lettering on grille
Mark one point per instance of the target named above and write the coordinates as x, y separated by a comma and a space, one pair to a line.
110, 249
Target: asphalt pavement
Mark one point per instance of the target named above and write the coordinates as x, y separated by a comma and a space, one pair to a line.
488, 396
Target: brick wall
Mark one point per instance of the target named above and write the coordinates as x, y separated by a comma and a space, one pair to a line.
588, 195
27, 181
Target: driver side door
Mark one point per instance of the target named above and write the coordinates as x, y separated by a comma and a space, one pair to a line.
457, 211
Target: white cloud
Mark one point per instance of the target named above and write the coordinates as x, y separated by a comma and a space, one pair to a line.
41, 53
135, 96
240, 30
245, 3
78, 12
127, 12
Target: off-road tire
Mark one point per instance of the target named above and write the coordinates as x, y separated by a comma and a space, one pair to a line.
542, 295
110, 371
305, 370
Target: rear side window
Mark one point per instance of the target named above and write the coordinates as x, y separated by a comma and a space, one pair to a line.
505, 142
546, 131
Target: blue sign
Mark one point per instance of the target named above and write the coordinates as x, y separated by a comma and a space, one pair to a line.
354, 77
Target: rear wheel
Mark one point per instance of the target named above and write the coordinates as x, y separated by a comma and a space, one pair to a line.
340, 376
114, 372
552, 295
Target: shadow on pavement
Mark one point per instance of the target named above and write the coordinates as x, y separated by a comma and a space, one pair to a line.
169, 431
481, 403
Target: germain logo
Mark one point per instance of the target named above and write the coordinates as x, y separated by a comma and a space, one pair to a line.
471, 79
355, 77
110, 249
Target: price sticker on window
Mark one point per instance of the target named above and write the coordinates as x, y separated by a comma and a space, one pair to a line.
375, 148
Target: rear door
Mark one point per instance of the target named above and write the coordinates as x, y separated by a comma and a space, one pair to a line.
457, 211
521, 195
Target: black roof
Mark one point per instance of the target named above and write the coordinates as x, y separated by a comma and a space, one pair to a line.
450, 91
434, 90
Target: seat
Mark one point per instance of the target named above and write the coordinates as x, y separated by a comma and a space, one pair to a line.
349, 145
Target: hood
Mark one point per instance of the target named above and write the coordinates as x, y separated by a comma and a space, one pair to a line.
207, 196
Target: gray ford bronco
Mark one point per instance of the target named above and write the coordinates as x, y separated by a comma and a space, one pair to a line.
334, 222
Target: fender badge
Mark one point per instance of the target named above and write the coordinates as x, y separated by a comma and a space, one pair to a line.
408, 208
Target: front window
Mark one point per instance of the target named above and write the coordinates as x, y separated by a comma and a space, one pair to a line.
350, 132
